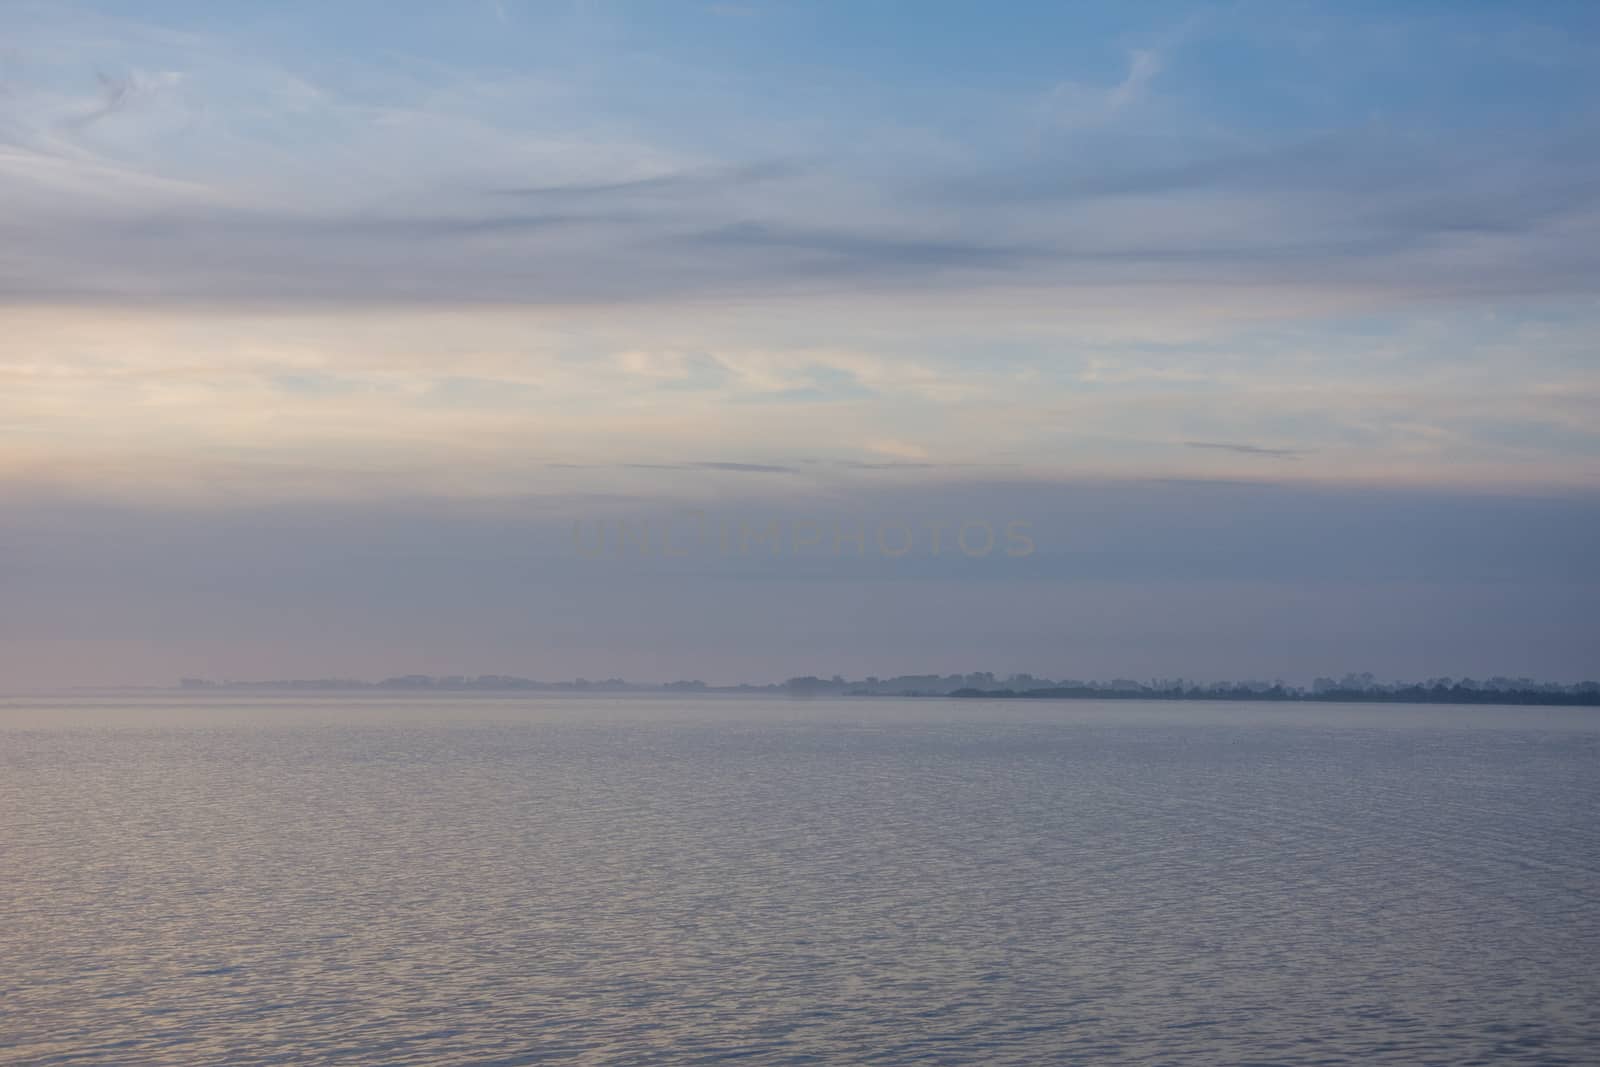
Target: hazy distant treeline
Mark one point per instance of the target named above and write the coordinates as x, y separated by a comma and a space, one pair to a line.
1356, 688
1584, 693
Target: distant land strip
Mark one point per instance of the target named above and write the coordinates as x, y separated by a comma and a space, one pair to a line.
1352, 688
1404, 694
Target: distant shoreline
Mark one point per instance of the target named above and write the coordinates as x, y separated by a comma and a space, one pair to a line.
1416, 695
1353, 689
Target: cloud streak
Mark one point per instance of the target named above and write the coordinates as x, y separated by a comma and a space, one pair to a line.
145, 209
1249, 450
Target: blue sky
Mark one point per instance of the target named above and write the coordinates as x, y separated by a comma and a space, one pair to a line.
555, 259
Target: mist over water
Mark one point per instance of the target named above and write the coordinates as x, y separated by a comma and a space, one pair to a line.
483, 880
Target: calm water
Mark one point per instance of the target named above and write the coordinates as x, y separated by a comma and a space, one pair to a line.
494, 881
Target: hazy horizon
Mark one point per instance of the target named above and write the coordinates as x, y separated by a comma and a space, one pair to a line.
1255, 581
821, 683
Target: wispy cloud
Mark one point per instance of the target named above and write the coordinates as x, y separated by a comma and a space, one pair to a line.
1074, 105
705, 180
1250, 450
484, 187
614, 258
714, 465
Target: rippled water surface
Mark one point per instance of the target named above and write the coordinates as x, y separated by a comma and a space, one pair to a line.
493, 881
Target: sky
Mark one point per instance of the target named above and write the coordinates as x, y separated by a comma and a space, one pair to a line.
329, 332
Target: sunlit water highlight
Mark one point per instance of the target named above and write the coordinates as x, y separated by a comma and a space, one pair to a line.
494, 881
